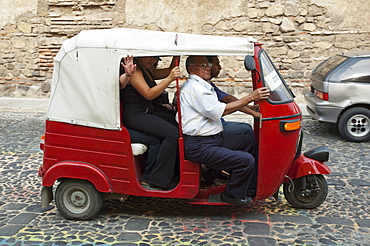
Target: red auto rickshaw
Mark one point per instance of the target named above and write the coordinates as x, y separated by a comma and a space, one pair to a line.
88, 150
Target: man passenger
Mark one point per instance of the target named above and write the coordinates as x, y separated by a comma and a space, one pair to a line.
229, 127
202, 128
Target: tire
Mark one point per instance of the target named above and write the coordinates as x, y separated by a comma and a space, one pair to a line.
78, 199
354, 124
311, 197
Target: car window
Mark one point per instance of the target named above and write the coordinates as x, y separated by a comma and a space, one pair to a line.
357, 70
324, 68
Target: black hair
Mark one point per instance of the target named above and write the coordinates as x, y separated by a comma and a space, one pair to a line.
210, 58
190, 61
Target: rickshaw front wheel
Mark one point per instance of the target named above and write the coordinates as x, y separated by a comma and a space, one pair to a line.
307, 191
78, 199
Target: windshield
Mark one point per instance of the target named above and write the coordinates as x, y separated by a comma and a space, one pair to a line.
279, 92
323, 69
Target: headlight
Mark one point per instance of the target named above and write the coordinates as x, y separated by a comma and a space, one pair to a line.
290, 125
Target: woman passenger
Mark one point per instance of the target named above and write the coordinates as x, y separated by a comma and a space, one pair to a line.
127, 69
140, 114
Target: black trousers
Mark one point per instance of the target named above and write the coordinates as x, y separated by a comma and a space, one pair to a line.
153, 148
162, 126
233, 153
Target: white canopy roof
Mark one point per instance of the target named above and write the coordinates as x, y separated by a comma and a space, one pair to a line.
85, 87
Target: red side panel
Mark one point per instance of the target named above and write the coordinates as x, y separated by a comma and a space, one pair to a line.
104, 157
277, 148
108, 151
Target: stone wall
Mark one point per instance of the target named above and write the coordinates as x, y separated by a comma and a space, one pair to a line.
297, 34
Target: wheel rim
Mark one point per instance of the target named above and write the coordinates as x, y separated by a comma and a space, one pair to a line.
76, 200
358, 125
299, 194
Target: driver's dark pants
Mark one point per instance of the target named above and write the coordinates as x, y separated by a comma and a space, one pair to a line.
237, 128
231, 153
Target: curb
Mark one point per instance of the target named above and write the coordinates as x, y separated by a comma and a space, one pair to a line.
40, 105
35, 105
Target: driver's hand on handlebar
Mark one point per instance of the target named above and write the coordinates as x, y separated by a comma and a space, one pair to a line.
260, 94
255, 110
254, 107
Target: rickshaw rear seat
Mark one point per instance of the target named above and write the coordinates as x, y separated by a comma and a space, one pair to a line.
138, 148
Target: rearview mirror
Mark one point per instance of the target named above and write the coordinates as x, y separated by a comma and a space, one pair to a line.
249, 63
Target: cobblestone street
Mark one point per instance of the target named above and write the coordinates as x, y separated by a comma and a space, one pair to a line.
343, 219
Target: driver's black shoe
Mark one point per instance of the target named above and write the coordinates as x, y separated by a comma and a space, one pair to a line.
226, 197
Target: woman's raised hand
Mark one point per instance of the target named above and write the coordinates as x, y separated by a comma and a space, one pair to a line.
129, 65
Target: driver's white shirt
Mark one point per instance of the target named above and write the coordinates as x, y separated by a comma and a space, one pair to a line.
201, 111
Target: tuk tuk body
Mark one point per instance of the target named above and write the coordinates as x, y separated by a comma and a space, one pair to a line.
279, 136
89, 151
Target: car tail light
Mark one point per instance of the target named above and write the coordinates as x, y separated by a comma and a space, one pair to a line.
322, 95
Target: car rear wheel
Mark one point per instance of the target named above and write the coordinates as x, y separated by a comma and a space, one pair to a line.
78, 199
354, 124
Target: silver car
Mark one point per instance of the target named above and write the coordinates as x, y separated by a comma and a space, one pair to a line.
340, 93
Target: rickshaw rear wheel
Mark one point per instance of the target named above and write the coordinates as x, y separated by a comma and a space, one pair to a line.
306, 192
78, 199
